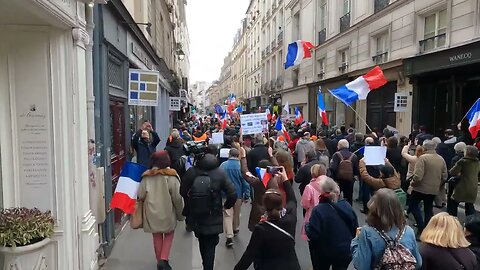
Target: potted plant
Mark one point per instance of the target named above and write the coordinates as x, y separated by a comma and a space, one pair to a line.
24, 235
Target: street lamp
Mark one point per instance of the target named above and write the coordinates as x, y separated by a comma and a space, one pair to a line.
181, 55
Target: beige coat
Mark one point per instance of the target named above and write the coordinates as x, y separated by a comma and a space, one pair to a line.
162, 203
429, 174
378, 183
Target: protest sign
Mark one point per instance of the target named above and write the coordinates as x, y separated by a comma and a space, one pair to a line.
375, 155
254, 123
217, 138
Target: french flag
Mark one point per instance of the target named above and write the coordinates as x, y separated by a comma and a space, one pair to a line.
297, 51
223, 120
298, 116
280, 127
233, 100
125, 196
321, 107
473, 116
263, 175
360, 87
269, 115
239, 109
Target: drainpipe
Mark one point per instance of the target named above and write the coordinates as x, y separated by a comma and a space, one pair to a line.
89, 66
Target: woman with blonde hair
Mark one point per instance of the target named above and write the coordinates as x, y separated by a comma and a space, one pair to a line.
445, 246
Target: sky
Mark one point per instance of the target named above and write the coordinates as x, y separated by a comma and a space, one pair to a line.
212, 25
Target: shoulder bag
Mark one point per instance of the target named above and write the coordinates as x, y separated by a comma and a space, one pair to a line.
136, 221
280, 229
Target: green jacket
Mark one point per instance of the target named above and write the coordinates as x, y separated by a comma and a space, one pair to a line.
466, 189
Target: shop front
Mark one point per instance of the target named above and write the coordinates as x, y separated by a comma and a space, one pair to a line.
445, 85
297, 98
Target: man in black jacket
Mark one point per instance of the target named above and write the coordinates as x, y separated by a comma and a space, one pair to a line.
259, 152
208, 227
175, 152
303, 176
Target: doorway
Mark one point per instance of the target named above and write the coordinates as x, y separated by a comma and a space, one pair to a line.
380, 105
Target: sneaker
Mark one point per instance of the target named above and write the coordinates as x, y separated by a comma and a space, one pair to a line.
161, 265
167, 266
229, 243
235, 232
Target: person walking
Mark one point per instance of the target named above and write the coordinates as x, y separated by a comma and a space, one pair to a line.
144, 142
467, 171
385, 220
285, 159
304, 145
258, 152
429, 173
202, 187
322, 152
231, 217
175, 152
344, 168
159, 191
331, 228
272, 244
303, 176
445, 246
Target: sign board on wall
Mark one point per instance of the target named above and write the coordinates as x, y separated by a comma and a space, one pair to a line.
401, 102
254, 123
143, 87
175, 104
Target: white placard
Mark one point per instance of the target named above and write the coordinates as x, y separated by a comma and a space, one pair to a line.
254, 123
224, 152
375, 155
175, 104
217, 138
401, 102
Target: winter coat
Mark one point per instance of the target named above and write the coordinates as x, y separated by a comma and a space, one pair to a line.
429, 173
355, 146
336, 161
145, 149
328, 232
456, 158
162, 204
331, 145
310, 199
175, 152
440, 258
303, 176
233, 170
466, 189
446, 151
213, 223
302, 148
378, 183
293, 144
259, 152
474, 247
269, 248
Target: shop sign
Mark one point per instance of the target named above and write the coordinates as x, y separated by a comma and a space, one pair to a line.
141, 55
183, 94
401, 102
175, 104
143, 87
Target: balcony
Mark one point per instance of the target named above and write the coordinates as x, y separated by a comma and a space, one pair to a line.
344, 22
272, 85
380, 58
274, 5
433, 42
263, 53
267, 87
280, 82
274, 44
321, 75
322, 36
380, 4
280, 37
343, 68
267, 50
268, 13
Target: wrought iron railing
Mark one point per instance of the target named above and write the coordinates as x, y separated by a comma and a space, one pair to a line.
380, 58
322, 36
433, 42
344, 22
380, 4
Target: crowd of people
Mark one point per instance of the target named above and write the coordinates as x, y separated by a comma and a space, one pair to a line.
206, 184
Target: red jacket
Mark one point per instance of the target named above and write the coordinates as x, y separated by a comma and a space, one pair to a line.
292, 145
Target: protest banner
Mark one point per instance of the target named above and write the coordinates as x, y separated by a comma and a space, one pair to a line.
375, 155
254, 123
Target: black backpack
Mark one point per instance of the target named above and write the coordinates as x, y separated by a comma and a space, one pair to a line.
201, 199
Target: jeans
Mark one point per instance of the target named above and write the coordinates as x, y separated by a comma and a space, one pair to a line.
207, 245
346, 187
324, 263
414, 207
162, 243
452, 208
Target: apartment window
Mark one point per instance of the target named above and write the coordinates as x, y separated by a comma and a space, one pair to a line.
381, 53
320, 69
346, 6
322, 12
345, 19
380, 4
435, 31
343, 61
296, 27
295, 77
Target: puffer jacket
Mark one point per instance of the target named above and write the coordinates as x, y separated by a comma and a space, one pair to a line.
378, 183
213, 223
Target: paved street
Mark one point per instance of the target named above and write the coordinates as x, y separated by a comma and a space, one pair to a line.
134, 249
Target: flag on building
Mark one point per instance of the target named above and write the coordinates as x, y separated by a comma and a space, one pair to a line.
269, 115
473, 116
263, 175
360, 87
321, 107
286, 107
280, 127
297, 51
125, 196
298, 116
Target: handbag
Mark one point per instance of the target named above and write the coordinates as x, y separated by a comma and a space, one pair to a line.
136, 221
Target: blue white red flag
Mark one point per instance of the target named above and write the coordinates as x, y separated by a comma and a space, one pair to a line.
269, 115
263, 175
298, 116
297, 51
125, 196
218, 109
473, 116
239, 109
321, 107
359, 88
280, 127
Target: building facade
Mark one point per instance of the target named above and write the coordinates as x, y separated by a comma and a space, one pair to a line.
199, 96
415, 42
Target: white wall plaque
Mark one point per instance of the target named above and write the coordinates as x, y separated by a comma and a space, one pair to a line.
401, 102
175, 104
